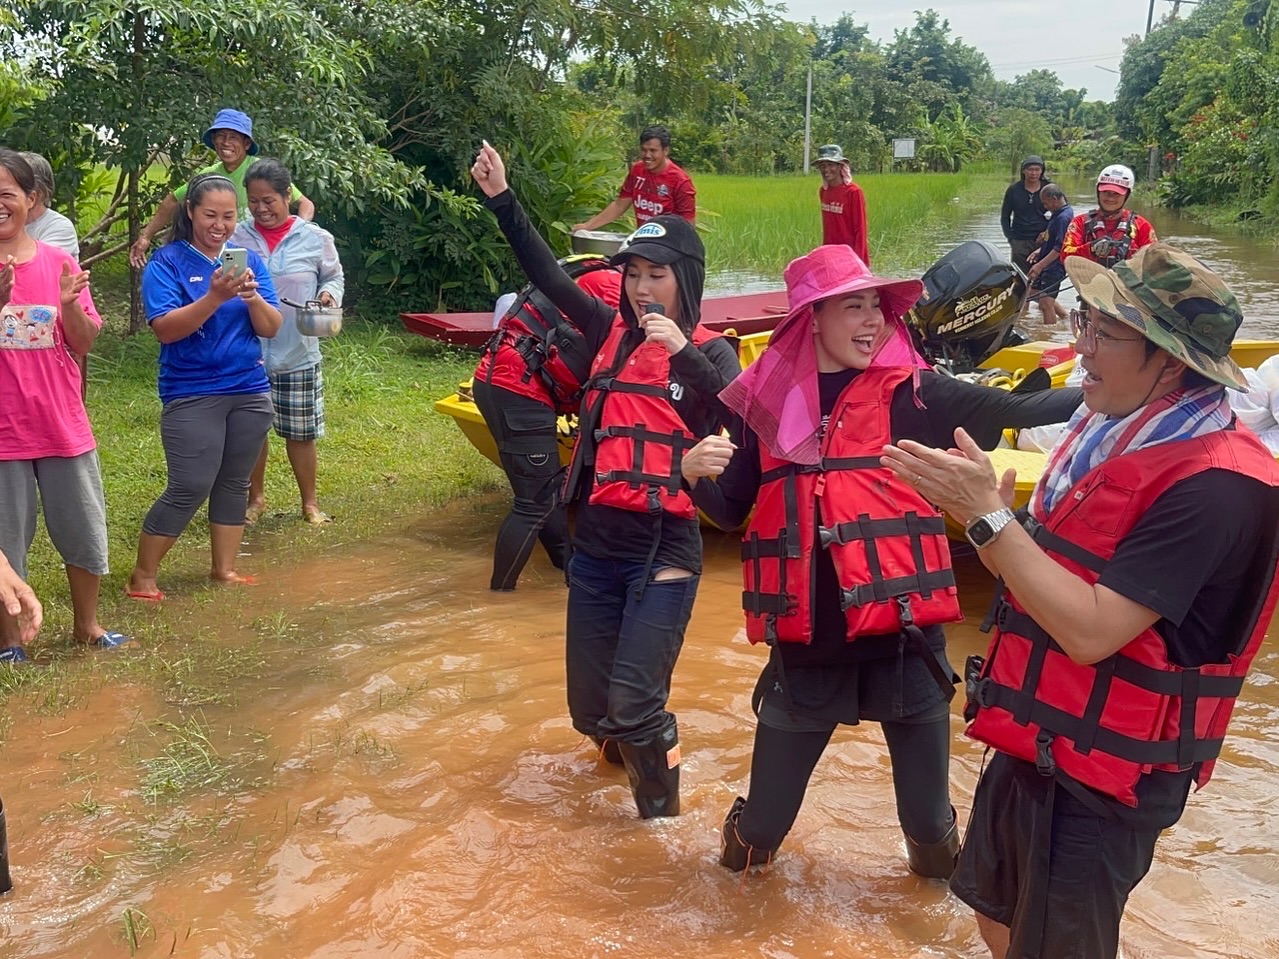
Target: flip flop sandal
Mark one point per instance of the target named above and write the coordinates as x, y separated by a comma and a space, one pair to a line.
253, 514
156, 597
111, 640
12, 655
317, 517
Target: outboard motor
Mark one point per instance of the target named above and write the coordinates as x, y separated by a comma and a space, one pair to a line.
972, 297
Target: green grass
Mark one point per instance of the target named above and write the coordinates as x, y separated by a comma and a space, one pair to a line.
761, 224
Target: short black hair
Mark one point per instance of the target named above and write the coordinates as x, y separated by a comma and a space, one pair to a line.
657, 132
1192, 380
19, 169
1051, 191
274, 173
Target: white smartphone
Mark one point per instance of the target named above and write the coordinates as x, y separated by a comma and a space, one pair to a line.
235, 260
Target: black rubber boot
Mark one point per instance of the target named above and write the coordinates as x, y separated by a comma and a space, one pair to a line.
609, 750
934, 860
653, 769
6, 882
736, 853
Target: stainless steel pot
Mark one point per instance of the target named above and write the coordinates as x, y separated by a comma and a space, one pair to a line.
316, 319
597, 241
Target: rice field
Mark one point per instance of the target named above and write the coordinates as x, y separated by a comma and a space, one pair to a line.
759, 224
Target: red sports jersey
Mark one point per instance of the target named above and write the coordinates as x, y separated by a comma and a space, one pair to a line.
844, 218
670, 191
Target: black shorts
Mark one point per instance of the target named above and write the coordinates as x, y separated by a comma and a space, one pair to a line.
1039, 861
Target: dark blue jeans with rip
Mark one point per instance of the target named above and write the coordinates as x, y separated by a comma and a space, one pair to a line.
625, 631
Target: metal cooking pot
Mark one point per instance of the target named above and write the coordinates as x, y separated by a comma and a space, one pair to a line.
316, 319
597, 241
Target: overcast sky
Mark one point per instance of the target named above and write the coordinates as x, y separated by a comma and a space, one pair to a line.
1017, 36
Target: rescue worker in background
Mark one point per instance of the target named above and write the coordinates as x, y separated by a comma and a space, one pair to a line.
1135, 598
531, 373
656, 186
1023, 217
637, 548
842, 201
1111, 233
847, 571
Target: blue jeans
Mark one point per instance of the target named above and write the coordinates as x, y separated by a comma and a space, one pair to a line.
624, 635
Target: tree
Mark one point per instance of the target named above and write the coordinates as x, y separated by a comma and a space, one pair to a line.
128, 86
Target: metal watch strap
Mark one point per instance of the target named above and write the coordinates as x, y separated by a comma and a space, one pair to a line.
996, 521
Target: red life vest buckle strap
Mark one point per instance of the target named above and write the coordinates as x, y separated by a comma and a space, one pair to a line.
882, 590
679, 442
1185, 683
1054, 722
865, 528
612, 384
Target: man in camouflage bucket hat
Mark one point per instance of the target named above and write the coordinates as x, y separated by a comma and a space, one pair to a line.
1171, 299
1136, 591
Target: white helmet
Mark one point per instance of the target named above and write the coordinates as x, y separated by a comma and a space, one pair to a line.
1116, 175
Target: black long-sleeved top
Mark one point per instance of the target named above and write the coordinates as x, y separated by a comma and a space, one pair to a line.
697, 376
949, 403
1023, 216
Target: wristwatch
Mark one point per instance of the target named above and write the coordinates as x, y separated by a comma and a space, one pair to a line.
983, 530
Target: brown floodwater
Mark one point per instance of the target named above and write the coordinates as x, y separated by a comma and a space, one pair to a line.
400, 779
413, 788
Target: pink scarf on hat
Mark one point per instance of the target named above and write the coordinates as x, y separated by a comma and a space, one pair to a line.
777, 395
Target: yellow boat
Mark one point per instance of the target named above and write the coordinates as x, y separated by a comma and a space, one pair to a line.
1016, 360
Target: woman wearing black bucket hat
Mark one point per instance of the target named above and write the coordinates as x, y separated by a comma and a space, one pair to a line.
637, 548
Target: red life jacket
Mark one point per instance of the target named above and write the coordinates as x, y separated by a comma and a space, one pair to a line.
1121, 235
888, 543
1107, 724
639, 437
536, 352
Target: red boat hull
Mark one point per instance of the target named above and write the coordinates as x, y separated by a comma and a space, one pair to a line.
746, 313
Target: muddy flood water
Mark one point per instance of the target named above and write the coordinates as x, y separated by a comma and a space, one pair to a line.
396, 776
413, 788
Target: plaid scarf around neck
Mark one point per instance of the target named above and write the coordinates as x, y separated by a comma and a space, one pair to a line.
1092, 438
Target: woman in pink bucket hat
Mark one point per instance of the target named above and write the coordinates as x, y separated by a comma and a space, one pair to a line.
847, 569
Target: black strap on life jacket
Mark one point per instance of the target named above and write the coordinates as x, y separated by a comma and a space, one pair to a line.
783, 546
1086, 731
679, 442
1095, 229
879, 589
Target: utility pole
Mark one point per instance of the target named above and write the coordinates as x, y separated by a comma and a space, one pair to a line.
808, 119
1150, 17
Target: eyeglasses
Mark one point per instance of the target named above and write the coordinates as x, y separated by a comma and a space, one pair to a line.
1090, 337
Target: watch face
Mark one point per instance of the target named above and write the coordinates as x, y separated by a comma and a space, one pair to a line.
980, 533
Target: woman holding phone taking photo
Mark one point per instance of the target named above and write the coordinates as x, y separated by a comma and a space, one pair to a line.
207, 313
637, 549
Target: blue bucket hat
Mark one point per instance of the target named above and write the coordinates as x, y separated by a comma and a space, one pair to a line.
231, 120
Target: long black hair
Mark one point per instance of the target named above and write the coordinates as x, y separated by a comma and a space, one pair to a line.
274, 173
197, 190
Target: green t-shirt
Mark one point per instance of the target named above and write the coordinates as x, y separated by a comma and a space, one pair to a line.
236, 176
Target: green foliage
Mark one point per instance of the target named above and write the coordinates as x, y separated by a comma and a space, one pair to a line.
1204, 90
1016, 134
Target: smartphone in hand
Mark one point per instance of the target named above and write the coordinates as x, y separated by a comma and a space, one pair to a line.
235, 261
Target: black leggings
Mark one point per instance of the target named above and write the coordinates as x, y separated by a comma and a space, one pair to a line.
529, 448
783, 761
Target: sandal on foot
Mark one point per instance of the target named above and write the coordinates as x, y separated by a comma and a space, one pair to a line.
239, 580
111, 640
253, 514
12, 655
317, 517
144, 597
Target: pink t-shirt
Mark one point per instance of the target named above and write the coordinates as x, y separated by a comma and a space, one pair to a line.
41, 413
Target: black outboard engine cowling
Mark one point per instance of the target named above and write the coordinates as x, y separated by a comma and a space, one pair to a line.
972, 297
